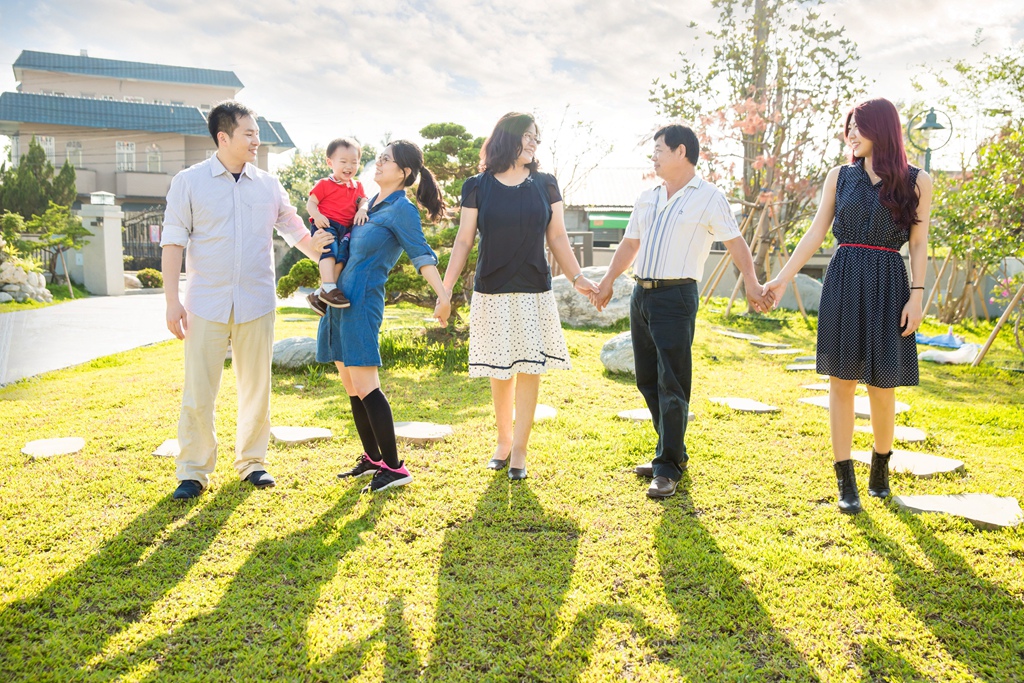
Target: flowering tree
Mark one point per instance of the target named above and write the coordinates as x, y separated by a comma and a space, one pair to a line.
767, 109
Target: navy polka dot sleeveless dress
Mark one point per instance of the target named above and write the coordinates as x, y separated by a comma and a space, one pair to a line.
865, 290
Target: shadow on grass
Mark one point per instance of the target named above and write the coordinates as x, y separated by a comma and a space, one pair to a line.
725, 633
978, 623
59, 630
258, 630
503, 578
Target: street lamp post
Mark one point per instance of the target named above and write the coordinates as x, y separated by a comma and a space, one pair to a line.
926, 129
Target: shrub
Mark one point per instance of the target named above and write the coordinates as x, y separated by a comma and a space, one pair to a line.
151, 278
305, 273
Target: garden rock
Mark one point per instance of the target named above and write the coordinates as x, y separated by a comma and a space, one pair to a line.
810, 294
131, 282
921, 465
294, 353
900, 433
617, 354
11, 288
168, 449
768, 345
981, 509
48, 448
421, 432
861, 405
576, 310
736, 335
5, 297
291, 436
744, 405
796, 367
541, 413
781, 352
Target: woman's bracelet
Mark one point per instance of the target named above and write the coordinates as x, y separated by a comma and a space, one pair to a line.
578, 276
921, 288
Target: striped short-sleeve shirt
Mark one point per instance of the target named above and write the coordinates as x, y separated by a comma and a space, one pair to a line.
676, 233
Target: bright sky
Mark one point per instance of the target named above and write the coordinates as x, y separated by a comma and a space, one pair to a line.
392, 66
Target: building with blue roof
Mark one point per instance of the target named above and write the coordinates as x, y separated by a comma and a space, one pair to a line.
127, 127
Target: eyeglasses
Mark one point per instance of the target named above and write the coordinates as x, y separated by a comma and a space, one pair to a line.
531, 138
384, 159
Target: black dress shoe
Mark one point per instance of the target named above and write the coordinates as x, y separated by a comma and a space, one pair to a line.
260, 479
661, 487
517, 473
498, 464
188, 489
645, 470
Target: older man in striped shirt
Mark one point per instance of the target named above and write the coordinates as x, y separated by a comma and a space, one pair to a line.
224, 210
669, 237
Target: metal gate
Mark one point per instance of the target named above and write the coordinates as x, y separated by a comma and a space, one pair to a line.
141, 238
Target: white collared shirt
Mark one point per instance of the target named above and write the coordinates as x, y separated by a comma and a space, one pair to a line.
227, 229
676, 234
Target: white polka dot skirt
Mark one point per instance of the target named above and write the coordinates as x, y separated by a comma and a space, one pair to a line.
515, 332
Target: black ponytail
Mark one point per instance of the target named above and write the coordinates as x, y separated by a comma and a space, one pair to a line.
409, 158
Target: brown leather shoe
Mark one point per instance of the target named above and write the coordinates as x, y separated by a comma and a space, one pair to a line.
334, 299
645, 470
661, 487
314, 302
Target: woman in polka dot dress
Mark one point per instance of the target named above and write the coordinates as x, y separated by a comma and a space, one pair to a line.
515, 334
868, 313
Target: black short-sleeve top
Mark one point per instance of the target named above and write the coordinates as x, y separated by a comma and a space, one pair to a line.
512, 222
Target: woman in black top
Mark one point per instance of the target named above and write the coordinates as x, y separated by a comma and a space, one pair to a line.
868, 312
515, 333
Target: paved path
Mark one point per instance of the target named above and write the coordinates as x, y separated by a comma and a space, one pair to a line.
44, 339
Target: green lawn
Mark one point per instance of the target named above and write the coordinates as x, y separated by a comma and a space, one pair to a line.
749, 573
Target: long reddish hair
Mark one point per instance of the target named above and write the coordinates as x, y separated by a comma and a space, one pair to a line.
879, 122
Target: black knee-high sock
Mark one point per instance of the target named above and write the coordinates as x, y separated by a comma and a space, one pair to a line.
363, 428
379, 411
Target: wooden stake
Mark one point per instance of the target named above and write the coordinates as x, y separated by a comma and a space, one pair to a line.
935, 286
1002, 321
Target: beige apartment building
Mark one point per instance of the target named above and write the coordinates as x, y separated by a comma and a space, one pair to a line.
126, 127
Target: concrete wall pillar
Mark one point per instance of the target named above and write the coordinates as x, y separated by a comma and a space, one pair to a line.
102, 257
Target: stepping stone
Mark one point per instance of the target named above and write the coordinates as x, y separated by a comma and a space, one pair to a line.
48, 448
644, 415
540, 413
745, 405
801, 366
921, 465
981, 509
291, 436
768, 345
901, 433
168, 449
421, 432
800, 359
781, 352
824, 386
738, 335
861, 405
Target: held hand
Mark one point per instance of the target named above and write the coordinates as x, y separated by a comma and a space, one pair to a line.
177, 319
442, 310
359, 219
585, 287
322, 238
603, 295
321, 221
772, 292
911, 317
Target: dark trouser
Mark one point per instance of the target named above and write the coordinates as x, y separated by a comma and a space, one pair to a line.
661, 322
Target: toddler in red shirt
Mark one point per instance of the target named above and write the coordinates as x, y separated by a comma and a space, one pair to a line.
336, 203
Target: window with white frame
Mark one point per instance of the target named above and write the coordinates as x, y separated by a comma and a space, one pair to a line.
134, 98
73, 153
125, 155
15, 150
48, 143
205, 108
153, 159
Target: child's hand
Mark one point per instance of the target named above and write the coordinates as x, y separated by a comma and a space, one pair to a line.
360, 217
321, 221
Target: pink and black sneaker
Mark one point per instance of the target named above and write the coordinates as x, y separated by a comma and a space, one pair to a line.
386, 478
364, 465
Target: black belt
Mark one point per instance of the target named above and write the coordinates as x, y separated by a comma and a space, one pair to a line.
655, 284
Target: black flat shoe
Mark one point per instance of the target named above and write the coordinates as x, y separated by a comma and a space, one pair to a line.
517, 473
188, 489
498, 464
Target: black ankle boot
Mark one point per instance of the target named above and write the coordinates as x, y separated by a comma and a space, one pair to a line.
878, 481
849, 499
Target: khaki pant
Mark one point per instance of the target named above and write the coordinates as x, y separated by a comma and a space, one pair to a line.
206, 345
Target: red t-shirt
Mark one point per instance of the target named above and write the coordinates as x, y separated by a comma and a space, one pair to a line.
338, 201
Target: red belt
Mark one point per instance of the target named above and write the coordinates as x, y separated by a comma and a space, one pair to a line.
869, 246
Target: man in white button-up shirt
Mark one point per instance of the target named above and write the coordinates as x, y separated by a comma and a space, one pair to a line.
225, 210
669, 237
